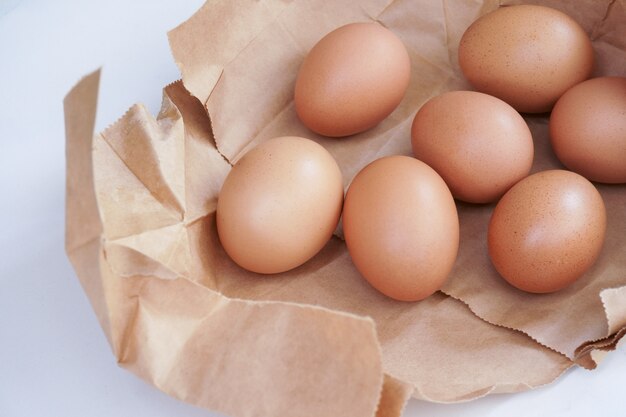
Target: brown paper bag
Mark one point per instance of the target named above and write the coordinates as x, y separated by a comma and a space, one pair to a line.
431, 31
316, 340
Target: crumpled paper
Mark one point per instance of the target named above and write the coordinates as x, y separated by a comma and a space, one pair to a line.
318, 340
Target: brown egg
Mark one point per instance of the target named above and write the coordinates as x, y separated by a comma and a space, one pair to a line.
588, 129
547, 231
352, 79
526, 55
478, 144
279, 205
401, 227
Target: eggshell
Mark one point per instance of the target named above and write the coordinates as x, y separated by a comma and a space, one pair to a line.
547, 231
478, 144
352, 79
588, 129
401, 227
526, 55
279, 205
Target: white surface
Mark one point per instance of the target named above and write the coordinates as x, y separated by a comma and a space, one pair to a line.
54, 359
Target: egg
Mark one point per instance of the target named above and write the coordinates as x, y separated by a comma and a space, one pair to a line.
351, 80
401, 227
478, 144
588, 129
547, 231
279, 205
526, 55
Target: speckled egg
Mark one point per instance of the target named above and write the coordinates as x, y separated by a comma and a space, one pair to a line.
526, 55
588, 129
478, 144
547, 231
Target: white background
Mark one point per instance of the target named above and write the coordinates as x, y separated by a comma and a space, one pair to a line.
54, 359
